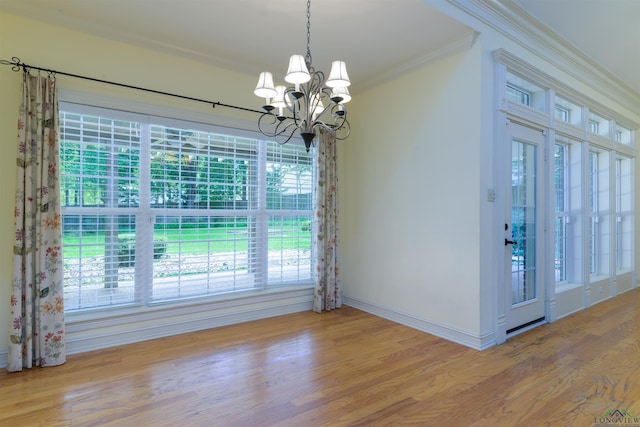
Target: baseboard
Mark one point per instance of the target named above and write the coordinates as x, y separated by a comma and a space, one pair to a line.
466, 338
98, 333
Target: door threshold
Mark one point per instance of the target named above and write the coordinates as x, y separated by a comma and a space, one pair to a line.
525, 327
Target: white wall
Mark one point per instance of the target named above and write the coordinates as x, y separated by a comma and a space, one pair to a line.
409, 199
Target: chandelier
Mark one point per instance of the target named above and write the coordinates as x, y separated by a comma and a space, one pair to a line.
309, 103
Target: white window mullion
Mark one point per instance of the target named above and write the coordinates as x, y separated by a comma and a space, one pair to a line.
111, 274
262, 221
144, 222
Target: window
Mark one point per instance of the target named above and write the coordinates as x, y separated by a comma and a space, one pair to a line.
624, 214
561, 178
525, 92
622, 135
562, 114
518, 95
598, 125
593, 212
589, 190
157, 211
601, 209
567, 111
619, 244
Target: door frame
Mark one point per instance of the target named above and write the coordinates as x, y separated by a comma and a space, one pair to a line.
524, 315
503, 215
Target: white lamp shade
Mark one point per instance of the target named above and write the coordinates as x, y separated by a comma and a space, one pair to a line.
265, 88
338, 76
278, 100
343, 93
298, 71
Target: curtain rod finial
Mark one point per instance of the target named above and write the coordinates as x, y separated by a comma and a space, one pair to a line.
15, 63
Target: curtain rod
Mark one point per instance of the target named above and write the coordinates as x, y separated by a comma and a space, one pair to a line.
16, 65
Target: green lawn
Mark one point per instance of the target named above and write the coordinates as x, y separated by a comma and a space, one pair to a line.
193, 241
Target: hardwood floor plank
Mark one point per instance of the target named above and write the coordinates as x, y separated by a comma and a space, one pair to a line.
343, 368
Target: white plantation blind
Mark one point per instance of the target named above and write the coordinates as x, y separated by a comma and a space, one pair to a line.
99, 194
155, 213
289, 202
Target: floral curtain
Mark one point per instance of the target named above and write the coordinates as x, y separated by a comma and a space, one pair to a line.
328, 293
37, 332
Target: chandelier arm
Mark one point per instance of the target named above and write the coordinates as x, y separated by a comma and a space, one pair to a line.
339, 112
296, 112
317, 80
295, 108
287, 138
301, 108
261, 124
331, 105
320, 123
290, 101
344, 124
284, 126
347, 127
280, 125
323, 124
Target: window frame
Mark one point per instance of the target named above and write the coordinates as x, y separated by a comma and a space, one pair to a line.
561, 113
563, 215
518, 95
624, 214
593, 211
262, 212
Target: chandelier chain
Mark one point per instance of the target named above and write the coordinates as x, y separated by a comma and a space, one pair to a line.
308, 57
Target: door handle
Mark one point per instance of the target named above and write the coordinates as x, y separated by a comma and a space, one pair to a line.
509, 242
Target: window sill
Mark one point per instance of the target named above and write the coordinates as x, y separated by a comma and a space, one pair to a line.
565, 287
210, 302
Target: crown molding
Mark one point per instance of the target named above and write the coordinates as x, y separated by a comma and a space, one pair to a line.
512, 21
456, 46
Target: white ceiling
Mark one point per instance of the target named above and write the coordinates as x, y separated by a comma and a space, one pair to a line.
371, 36
374, 37
607, 31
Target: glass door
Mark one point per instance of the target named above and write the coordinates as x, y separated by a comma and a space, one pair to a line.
524, 240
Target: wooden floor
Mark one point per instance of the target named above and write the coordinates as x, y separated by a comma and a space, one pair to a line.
344, 368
